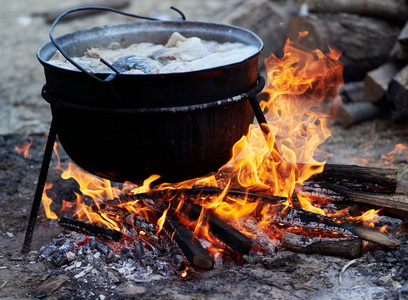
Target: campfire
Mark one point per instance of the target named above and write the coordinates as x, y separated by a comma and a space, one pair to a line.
272, 192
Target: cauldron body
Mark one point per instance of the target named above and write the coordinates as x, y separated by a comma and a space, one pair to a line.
175, 125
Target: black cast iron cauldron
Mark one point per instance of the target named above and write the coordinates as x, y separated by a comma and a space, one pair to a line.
179, 125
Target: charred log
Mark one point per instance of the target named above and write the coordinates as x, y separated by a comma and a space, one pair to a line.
367, 179
90, 229
341, 193
188, 244
177, 260
344, 247
284, 215
217, 227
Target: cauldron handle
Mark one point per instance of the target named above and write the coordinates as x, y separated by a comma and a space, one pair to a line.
117, 73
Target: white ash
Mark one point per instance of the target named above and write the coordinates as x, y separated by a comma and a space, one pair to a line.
87, 257
180, 54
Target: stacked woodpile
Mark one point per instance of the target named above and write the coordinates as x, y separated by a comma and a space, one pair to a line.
373, 38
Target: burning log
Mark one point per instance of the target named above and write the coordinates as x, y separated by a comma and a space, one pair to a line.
392, 10
344, 247
368, 179
341, 193
287, 216
90, 229
217, 227
188, 244
363, 49
177, 260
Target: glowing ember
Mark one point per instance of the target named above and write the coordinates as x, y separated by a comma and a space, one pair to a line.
24, 149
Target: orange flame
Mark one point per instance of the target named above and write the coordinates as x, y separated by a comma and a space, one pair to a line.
24, 148
46, 202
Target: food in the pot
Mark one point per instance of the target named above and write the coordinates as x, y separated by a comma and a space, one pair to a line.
180, 54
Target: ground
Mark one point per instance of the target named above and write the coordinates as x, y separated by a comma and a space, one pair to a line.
24, 114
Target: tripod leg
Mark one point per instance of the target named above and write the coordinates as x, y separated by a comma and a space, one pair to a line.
40, 187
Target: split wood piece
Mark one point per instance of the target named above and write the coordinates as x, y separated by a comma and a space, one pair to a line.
398, 94
344, 247
348, 114
352, 91
178, 261
117, 4
363, 49
376, 81
368, 179
403, 38
90, 229
295, 217
339, 193
391, 10
217, 227
188, 244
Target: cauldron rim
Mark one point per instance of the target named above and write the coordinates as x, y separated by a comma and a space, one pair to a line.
102, 75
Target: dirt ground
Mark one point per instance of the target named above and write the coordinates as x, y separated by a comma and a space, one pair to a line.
23, 113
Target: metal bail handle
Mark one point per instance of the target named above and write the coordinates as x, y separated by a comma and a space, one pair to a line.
117, 73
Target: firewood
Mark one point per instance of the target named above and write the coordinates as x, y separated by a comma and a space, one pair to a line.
376, 81
284, 215
217, 227
335, 192
90, 229
348, 114
391, 10
188, 244
369, 179
344, 247
365, 42
352, 91
398, 94
403, 37
118, 4
177, 260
